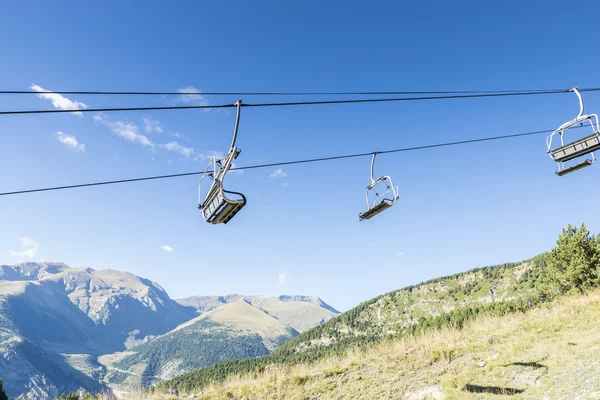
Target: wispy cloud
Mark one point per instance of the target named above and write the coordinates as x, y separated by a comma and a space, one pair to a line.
278, 173
179, 135
29, 248
176, 147
70, 141
59, 101
152, 126
208, 155
166, 248
127, 130
191, 95
282, 278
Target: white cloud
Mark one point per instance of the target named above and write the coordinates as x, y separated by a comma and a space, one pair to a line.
29, 248
176, 147
278, 173
152, 126
208, 155
399, 253
179, 135
59, 101
70, 141
193, 96
282, 278
126, 130
166, 248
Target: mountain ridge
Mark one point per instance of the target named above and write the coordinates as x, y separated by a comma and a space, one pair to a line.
56, 322
299, 312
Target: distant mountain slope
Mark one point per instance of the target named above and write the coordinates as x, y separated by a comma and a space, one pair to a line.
29, 371
49, 311
299, 312
242, 316
65, 328
96, 311
391, 315
234, 331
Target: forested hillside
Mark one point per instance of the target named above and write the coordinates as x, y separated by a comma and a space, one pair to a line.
232, 332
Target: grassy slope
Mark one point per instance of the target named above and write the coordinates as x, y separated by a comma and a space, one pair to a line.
391, 315
552, 350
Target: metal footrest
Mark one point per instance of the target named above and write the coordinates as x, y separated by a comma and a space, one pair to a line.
574, 168
576, 149
371, 212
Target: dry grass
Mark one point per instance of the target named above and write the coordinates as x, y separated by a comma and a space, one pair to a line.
550, 351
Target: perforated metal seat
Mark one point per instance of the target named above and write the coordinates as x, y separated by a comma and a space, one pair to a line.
218, 209
576, 149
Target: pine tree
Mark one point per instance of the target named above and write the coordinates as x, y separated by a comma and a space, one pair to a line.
3, 395
573, 264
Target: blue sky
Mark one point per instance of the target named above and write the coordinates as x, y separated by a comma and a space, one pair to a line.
460, 207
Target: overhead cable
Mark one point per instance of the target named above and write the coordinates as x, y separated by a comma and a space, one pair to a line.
283, 163
178, 93
297, 103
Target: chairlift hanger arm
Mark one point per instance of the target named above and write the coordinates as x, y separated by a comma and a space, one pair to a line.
372, 167
580, 101
238, 105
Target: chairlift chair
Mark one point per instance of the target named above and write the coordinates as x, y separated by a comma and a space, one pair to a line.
381, 201
217, 207
578, 148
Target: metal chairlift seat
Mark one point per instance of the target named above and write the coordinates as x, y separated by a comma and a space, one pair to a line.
217, 208
381, 201
578, 148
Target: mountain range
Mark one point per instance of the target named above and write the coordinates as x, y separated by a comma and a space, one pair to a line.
63, 329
